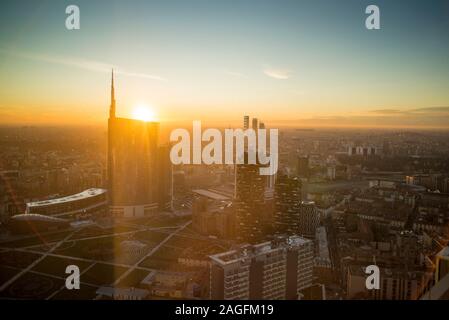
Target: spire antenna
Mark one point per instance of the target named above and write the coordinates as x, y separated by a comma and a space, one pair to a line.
112, 107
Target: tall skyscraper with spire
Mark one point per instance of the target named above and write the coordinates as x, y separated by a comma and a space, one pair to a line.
139, 170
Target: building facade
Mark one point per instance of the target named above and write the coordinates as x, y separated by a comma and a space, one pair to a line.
139, 170
271, 270
249, 202
309, 219
442, 264
213, 214
287, 204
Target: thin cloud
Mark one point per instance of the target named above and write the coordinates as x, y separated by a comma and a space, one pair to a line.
431, 110
278, 74
138, 75
80, 63
386, 111
428, 111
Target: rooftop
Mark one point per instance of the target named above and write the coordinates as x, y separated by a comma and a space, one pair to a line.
444, 253
308, 203
75, 197
247, 251
440, 291
36, 217
210, 194
129, 292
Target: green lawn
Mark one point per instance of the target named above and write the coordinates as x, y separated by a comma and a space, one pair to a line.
17, 259
134, 278
37, 239
56, 266
7, 273
32, 286
102, 274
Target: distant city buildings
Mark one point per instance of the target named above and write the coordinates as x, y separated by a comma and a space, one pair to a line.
331, 172
430, 181
303, 167
246, 122
432, 213
279, 269
389, 208
386, 148
362, 151
407, 247
255, 124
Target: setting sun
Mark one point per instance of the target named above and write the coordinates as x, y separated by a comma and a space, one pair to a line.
143, 112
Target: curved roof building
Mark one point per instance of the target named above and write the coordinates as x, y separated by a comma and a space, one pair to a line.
83, 202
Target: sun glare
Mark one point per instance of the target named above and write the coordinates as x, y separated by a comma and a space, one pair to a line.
143, 112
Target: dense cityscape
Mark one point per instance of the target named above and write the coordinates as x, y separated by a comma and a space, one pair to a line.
138, 227
224, 158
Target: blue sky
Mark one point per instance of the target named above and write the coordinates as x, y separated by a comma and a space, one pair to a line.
277, 59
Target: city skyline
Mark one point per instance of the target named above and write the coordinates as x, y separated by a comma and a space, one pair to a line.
205, 150
307, 64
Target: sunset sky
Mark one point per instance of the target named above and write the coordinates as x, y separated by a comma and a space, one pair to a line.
286, 62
